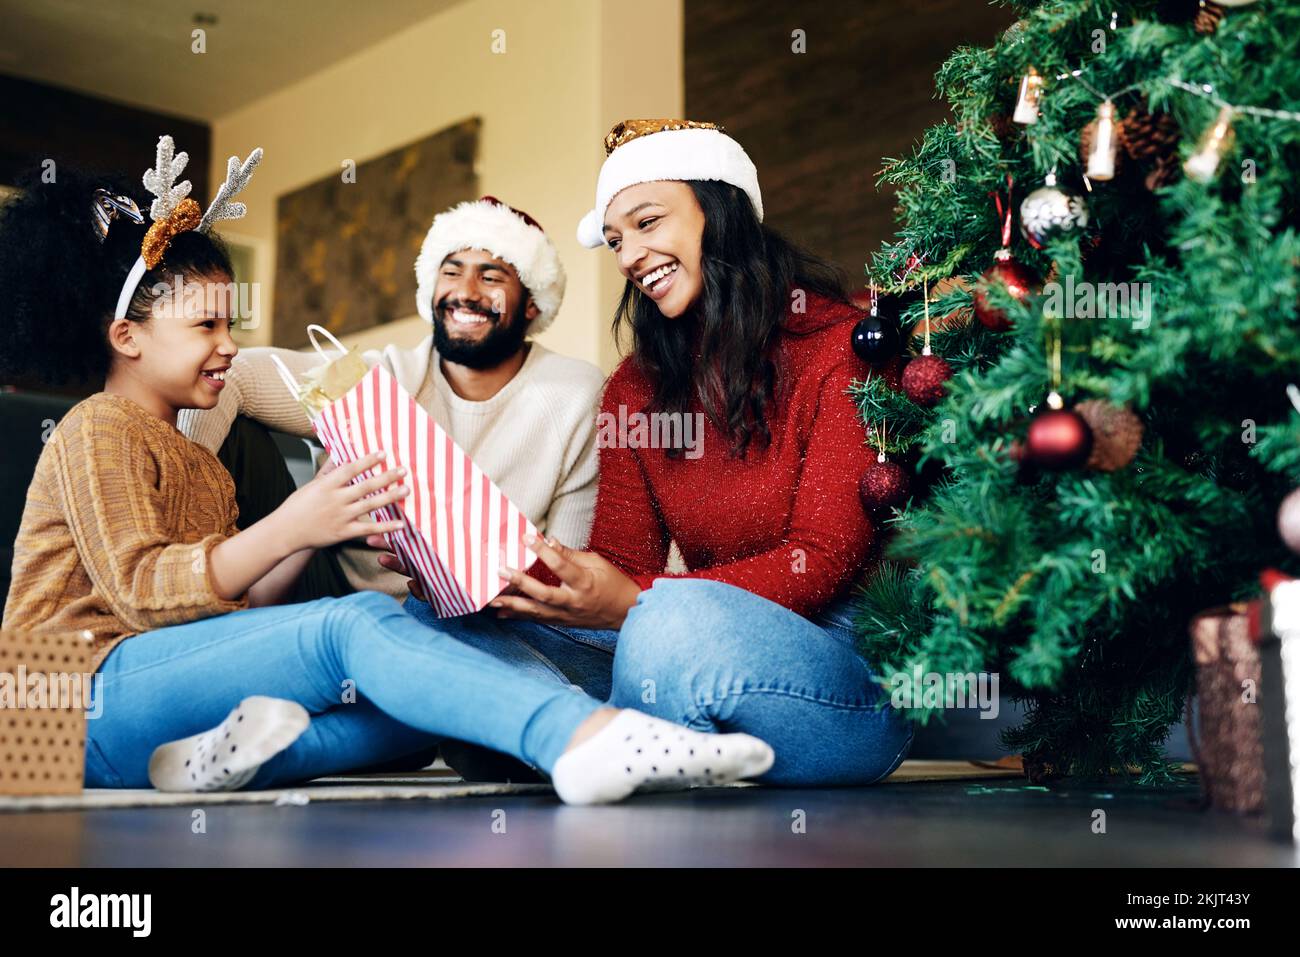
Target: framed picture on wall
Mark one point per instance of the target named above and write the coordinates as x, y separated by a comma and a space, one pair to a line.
346, 244
250, 257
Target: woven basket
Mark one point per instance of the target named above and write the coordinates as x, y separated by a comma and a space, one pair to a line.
43, 734
1229, 753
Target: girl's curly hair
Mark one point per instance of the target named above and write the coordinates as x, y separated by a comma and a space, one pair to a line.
59, 284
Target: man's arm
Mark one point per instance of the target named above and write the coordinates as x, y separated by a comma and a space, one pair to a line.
570, 515
253, 388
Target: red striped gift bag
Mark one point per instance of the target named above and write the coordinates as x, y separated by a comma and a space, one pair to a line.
459, 528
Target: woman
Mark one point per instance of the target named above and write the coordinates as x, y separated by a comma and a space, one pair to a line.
734, 324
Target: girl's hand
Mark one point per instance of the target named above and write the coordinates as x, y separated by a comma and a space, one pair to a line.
593, 593
328, 509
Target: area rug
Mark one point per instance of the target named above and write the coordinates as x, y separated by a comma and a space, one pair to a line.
427, 785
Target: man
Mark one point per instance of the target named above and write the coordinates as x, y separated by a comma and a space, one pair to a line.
488, 278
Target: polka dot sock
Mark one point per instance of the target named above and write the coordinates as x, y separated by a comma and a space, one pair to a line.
637, 752
227, 757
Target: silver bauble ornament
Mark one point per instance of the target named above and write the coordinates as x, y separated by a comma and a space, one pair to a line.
1049, 212
1288, 521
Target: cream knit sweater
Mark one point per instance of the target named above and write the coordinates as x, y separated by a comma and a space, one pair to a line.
536, 438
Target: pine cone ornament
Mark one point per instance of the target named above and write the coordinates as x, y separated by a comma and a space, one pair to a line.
1116, 434
1151, 137
1003, 127
1207, 18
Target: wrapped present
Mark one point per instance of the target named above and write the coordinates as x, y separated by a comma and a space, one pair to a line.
1228, 749
459, 528
46, 692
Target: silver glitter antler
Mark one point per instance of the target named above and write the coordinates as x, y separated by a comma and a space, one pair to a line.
237, 177
161, 180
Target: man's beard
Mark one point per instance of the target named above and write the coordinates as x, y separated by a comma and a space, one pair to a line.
503, 340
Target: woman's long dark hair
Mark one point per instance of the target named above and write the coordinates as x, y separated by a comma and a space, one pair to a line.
749, 273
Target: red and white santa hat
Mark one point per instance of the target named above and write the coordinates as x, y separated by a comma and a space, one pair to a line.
504, 233
647, 151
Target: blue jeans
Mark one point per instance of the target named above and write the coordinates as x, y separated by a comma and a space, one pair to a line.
715, 657
412, 686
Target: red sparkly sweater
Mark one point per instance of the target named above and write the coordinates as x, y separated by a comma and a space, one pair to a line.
785, 522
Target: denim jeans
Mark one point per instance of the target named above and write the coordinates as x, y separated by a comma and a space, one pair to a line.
715, 657
412, 686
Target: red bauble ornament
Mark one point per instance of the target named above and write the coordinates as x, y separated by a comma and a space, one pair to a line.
924, 378
1018, 279
883, 485
1058, 439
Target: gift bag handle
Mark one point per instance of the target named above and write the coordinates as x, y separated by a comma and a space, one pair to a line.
312, 329
311, 334
286, 375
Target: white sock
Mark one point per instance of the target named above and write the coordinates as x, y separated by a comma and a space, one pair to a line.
638, 752
227, 757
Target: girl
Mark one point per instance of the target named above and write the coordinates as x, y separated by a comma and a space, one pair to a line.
735, 326
129, 534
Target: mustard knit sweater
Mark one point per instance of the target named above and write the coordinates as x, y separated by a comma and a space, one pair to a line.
120, 517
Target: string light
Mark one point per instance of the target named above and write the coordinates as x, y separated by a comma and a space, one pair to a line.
1207, 91
1203, 165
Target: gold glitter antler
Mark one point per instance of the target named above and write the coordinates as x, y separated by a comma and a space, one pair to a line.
161, 180
237, 177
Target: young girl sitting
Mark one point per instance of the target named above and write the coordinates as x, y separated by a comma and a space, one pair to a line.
129, 534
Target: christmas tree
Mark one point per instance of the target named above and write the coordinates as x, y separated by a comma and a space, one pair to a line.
1098, 443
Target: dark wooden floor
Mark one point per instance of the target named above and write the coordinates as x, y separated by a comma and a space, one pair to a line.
995, 822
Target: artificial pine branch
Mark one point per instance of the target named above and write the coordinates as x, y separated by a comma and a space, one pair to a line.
1078, 586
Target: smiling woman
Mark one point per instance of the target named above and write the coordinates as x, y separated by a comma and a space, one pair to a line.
656, 231
738, 327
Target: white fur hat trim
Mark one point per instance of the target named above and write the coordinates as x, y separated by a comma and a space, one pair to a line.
503, 233
669, 155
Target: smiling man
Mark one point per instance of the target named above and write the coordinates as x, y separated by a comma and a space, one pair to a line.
488, 279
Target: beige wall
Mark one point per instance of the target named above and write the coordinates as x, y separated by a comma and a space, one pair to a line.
571, 69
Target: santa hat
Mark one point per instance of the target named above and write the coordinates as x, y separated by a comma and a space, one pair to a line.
647, 151
503, 232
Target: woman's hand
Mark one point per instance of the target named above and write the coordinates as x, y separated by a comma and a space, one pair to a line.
592, 593
393, 562
329, 509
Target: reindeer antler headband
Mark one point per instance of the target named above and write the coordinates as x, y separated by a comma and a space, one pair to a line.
173, 212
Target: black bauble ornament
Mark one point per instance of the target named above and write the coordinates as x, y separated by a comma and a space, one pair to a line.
876, 339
